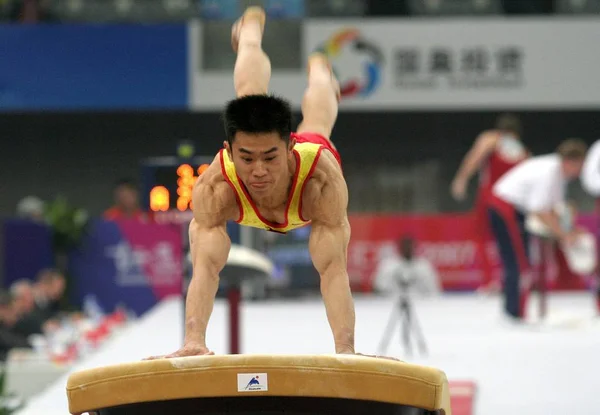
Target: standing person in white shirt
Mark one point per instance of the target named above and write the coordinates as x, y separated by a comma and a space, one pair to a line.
535, 186
590, 174
590, 180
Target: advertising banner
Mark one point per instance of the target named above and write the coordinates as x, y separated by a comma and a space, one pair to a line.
449, 242
26, 249
129, 263
428, 64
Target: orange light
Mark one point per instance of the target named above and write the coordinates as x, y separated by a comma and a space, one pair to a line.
186, 178
185, 170
182, 204
202, 169
159, 199
185, 184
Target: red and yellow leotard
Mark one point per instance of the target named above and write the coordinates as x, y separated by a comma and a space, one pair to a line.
307, 155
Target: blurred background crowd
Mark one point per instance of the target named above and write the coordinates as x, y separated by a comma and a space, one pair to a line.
94, 10
31, 307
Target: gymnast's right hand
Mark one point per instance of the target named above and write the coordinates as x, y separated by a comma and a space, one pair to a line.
189, 349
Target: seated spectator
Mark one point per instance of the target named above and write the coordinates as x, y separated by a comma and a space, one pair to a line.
126, 202
49, 291
31, 208
30, 318
9, 339
24, 299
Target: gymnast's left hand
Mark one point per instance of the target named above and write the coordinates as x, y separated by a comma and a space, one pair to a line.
189, 349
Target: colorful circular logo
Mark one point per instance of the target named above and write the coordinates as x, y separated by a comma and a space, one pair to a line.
347, 49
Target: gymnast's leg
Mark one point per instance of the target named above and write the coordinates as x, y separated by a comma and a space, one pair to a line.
252, 71
321, 98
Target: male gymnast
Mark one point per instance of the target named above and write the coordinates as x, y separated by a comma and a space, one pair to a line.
271, 178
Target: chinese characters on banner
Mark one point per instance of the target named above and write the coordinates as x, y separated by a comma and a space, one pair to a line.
475, 67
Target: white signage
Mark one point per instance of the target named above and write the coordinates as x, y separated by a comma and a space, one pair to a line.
434, 64
252, 382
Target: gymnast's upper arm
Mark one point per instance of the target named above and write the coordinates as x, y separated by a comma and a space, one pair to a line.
482, 147
330, 233
209, 241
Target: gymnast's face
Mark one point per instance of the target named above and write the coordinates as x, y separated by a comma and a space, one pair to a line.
261, 161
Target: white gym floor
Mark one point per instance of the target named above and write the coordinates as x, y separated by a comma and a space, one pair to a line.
545, 369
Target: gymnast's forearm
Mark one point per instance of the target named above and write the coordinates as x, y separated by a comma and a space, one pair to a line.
209, 248
339, 306
199, 305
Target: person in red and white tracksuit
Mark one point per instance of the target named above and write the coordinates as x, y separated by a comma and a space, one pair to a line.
536, 186
590, 180
493, 153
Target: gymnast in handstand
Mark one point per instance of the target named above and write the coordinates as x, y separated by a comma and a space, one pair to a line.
270, 177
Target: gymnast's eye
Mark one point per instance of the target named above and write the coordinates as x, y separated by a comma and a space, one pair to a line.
247, 160
270, 158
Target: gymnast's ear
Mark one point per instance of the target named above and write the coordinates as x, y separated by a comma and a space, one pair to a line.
291, 144
228, 148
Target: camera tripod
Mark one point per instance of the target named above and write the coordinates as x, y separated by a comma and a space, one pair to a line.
403, 312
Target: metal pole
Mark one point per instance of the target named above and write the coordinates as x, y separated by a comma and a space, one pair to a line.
234, 295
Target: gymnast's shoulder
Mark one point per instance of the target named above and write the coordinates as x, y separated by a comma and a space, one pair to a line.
326, 191
213, 196
327, 170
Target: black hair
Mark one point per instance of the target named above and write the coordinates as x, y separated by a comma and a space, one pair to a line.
125, 182
510, 123
256, 114
406, 245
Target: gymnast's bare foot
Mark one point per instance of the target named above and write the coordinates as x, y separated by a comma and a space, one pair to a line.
190, 349
252, 13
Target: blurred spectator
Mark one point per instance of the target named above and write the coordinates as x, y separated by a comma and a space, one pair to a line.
219, 9
30, 11
126, 202
378, 8
32, 208
284, 9
336, 8
528, 6
49, 292
30, 318
24, 299
8, 318
407, 272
